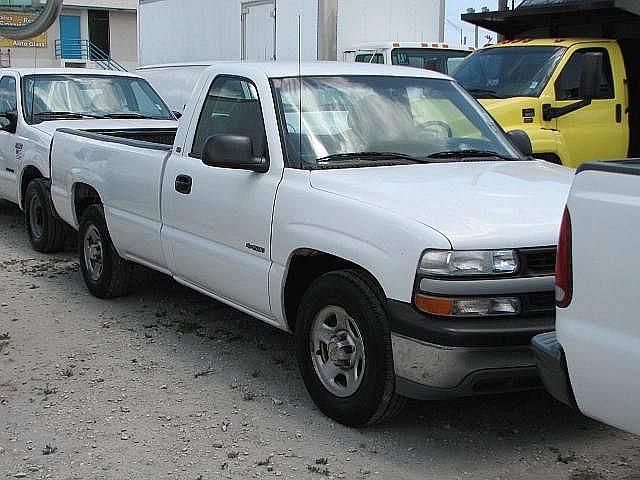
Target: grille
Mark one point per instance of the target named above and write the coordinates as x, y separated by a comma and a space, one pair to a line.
538, 261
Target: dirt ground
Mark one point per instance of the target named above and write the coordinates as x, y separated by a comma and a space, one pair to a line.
167, 383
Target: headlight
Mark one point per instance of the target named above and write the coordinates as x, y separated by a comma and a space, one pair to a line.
467, 263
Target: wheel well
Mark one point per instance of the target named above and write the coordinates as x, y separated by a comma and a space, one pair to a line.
306, 266
83, 197
30, 173
548, 157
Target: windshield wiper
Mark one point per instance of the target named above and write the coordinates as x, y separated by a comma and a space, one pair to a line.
367, 156
61, 114
484, 93
128, 115
469, 153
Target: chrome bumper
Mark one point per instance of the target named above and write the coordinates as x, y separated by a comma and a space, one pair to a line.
425, 370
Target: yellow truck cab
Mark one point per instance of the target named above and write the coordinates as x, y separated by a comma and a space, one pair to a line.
542, 86
568, 74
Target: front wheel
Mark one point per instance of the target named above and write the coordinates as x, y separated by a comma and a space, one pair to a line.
46, 231
105, 273
343, 345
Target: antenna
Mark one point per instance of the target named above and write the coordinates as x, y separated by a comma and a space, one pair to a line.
300, 87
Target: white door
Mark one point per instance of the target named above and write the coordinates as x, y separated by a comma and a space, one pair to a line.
259, 30
217, 221
8, 148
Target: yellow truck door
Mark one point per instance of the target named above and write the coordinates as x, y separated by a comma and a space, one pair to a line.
599, 131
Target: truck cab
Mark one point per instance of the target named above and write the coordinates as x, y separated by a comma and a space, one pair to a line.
439, 57
538, 86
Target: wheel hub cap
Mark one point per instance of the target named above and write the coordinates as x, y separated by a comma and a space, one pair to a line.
93, 253
337, 351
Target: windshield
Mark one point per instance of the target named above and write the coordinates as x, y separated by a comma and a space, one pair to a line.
47, 97
507, 72
436, 59
353, 118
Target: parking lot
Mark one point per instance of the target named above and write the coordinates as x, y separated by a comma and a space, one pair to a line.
167, 383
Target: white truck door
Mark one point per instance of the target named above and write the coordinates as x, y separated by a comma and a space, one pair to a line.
259, 30
8, 148
217, 221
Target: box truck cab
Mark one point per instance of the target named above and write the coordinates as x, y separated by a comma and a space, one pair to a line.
439, 57
576, 98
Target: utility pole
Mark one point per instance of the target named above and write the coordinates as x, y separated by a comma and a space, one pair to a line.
503, 6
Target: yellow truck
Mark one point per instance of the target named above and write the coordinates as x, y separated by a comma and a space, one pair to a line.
568, 74
577, 98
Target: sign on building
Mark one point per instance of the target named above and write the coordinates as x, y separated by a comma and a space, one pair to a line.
19, 20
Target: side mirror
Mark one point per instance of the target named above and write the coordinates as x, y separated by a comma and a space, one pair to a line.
591, 75
176, 114
9, 121
521, 141
232, 151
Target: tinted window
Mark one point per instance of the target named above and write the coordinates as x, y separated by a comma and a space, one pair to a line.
568, 83
370, 58
429, 59
8, 99
231, 107
506, 72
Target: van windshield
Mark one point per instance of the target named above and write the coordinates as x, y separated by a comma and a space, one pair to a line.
345, 121
51, 97
507, 72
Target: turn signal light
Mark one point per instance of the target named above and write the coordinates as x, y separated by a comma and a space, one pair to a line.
468, 306
434, 305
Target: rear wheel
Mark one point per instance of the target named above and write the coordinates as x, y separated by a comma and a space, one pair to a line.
343, 346
106, 274
45, 229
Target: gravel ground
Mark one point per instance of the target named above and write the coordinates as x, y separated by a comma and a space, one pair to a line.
167, 383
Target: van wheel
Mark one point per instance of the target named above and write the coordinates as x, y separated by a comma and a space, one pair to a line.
343, 345
46, 231
106, 274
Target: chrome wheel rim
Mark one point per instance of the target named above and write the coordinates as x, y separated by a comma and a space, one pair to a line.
93, 253
337, 351
36, 217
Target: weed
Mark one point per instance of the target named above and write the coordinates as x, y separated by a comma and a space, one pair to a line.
248, 396
67, 373
316, 469
322, 461
49, 449
265, 462
5, 336
233, 454
47, 390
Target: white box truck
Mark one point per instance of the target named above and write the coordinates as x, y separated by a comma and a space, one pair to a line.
174, 31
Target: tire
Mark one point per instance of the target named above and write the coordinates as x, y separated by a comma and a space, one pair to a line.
45, 229
351, 377
105, 273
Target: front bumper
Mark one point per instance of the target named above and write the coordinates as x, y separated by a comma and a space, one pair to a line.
552, 366
442, 358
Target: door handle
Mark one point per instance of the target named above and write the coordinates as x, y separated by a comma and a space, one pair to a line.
183, 184
618, 113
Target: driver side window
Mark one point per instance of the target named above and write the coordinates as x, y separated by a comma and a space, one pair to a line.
568, 83
232, 107
8, 98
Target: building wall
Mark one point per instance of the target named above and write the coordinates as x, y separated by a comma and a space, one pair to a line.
123, 36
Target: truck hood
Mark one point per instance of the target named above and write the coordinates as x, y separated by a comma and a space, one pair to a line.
50, 127
475, 205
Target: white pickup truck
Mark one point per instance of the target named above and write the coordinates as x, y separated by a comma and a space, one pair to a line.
34, 103
592, 361
377, 212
